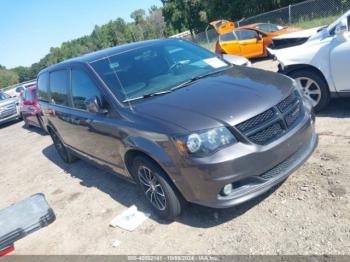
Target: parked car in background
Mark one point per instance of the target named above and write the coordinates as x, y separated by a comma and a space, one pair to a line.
196, 129
320, 65
30, 110
8, 108
268, 31
251, 40
222, 26
242, 42
16, 91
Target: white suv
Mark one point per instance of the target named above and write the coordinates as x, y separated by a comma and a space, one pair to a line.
320, 65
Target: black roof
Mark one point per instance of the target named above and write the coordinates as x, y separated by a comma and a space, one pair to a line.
90, 57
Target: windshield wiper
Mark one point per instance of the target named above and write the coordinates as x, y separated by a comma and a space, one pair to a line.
183, 84
194, 79
147, 95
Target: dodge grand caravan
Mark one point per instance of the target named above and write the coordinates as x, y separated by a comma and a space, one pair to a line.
182, 123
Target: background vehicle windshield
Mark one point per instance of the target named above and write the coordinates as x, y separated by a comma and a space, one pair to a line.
155, 68
3, 96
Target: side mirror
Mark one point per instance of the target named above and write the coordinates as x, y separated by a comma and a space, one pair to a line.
93, 105
236, 60
340, 29
27, 103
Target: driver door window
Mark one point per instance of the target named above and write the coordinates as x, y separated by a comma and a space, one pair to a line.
250, 43
84, 88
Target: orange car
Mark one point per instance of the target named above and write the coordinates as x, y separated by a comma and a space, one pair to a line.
250, 40
222, 26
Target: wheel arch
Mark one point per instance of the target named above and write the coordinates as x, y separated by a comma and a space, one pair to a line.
292, 68
132, 153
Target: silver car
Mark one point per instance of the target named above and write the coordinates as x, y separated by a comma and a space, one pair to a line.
8, 108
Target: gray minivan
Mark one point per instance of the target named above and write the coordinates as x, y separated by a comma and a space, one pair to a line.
181, 122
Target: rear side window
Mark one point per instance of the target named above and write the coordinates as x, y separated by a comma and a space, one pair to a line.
59, 87
227, 37
43, 83
246, 34
28, 96
84, 88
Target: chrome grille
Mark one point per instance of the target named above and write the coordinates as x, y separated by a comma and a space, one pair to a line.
7, 110
266, 135
255, 121
273, 123
286, 103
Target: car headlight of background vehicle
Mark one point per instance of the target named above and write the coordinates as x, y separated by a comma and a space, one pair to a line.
205, 142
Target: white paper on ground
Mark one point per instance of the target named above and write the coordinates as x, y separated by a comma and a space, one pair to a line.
130, 219
116, 243
215, 62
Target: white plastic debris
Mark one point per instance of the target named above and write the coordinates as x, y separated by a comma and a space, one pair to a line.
116, 243
130, 219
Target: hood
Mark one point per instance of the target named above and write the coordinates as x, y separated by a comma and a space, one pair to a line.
227, 98
298, 34
305, 53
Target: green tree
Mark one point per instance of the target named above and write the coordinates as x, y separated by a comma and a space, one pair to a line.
7, 78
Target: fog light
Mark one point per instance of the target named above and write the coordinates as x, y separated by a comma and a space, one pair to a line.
227, 189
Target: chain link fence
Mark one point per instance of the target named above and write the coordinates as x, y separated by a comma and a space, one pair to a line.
307, 14
298, 13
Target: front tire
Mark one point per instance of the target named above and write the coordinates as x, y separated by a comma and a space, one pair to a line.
159, 193
314, 87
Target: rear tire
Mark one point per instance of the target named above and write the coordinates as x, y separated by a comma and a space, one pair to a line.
156, 188
26, 124
63, 152
41, 123
314, 86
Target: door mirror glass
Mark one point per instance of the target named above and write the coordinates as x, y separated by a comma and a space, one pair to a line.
93, 105
341, 28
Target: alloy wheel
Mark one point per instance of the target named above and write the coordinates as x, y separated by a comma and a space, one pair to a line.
311, 89
152, 188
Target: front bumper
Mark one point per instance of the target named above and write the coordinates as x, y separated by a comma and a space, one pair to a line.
252, 169
9, 118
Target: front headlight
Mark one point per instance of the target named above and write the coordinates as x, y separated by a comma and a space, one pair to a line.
205, 142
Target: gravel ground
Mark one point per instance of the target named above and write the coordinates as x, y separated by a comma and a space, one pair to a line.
307, 214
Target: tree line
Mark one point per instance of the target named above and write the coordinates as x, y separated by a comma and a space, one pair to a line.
173, 17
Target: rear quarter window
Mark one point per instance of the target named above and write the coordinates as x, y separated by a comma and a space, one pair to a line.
43, 84
59, 87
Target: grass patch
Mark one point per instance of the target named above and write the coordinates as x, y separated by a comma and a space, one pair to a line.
306, 24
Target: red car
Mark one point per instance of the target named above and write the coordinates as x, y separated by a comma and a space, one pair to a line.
30, 110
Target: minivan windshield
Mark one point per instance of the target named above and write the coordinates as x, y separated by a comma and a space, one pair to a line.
156, 68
